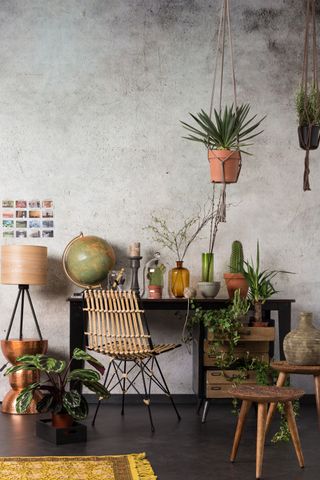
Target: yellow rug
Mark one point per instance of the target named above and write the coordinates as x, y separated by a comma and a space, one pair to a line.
119, 467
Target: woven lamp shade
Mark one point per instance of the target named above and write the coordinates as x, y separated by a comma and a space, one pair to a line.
24, 265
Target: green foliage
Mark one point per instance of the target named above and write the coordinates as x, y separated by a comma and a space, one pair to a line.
259, 281
57, 398
224, 324
236, 258
308, 106
229, 130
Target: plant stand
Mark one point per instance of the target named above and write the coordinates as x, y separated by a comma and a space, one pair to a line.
61, 436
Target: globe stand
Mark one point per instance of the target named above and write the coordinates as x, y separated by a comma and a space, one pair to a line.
135, 265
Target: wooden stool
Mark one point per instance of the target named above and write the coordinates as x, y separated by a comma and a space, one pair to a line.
284, 369
262, 396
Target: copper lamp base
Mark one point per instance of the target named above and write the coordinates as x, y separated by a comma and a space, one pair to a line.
13, 349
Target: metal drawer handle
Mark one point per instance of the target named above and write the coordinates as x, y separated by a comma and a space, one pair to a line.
215, 374
215, 388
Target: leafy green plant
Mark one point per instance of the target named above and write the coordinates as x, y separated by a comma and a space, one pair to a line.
308, 106
260, 283
224, 324
57, 398
229, 130
236, 258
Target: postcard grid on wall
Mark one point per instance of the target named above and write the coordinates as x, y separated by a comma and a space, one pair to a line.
27, 219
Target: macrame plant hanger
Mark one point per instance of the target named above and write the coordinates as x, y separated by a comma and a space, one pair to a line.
224, 23
310, 25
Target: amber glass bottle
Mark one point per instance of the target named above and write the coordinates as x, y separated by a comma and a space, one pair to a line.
179, 280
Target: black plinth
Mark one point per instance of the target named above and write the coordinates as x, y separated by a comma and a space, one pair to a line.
60, 436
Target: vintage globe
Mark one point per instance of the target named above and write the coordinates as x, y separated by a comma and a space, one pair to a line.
87, 260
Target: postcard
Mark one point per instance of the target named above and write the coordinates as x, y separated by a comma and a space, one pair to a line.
34, 233
47, 233
34, 204
21, 204
8, 223
21, 223
8, 233
34, 223
47, 223
7, 203
8, 214
21, 233
34, 213
47, 213
21, 213
47, 204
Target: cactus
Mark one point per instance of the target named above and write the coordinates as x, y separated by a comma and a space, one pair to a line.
236, 258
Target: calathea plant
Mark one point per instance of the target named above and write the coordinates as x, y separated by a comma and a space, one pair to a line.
58, 397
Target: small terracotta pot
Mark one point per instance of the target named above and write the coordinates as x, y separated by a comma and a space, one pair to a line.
155, 292
62, 420
227, 161
236, 281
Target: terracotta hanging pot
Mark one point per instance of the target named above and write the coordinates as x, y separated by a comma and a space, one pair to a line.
309, 137
225, 165
236, 281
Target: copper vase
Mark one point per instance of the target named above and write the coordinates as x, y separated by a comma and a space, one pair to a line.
13, 349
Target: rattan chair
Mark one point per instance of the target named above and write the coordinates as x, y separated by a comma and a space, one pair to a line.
117, 328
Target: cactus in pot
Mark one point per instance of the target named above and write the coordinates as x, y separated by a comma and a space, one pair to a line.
235, 279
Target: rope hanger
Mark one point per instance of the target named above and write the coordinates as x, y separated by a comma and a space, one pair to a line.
310, 25
224, 23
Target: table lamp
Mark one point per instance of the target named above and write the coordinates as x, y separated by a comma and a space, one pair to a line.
22, 265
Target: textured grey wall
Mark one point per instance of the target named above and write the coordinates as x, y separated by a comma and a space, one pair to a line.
91, 94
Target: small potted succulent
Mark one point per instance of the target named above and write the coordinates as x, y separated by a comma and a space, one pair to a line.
155, 277
308, 110
225, 136
235, 279
260, 286
60, 398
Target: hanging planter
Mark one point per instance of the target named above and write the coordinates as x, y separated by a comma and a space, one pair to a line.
227, 131
308, 96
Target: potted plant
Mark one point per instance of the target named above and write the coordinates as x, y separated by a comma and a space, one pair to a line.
65, 404
260, 286
155, 277
225, 137
308, 110
235, 279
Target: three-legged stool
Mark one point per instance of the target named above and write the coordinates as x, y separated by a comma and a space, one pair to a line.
263, 395
284, 369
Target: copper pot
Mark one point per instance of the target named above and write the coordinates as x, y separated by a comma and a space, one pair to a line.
13, 349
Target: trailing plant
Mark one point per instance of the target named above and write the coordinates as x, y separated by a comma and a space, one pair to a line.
236, 258
57, 396
230, 129
260, 283
308, 106
224, 325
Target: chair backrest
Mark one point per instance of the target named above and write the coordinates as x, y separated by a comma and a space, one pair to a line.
115, 323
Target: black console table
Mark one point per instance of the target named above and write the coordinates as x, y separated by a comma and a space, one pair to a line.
78, 325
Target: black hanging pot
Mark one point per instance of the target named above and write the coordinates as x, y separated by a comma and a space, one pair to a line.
309, 136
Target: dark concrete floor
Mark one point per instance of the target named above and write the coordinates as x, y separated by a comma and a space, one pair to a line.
187, 450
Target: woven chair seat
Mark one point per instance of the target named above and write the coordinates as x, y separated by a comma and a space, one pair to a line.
115, 349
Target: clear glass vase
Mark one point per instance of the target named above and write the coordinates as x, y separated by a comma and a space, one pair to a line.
207, 267
179, 280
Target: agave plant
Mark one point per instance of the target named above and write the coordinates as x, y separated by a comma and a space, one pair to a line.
57, 397
260, 283
229, 130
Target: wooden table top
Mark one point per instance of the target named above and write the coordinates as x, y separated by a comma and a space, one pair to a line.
286, 367
265, 394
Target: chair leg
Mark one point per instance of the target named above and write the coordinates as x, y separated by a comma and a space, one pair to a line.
317, 392
99, 402
199, 406
205, 411
245, 407
168, 391
272, 407
147, 397
294, 432
261, 433
124, 386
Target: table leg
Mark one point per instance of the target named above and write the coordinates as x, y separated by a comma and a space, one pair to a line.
272, 408
245, 407
294, 432
317, 392
284, 323
261, 433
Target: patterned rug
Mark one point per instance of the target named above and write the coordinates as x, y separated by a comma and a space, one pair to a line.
120, 467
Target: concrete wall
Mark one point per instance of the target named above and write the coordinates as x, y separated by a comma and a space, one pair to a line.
91, 94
